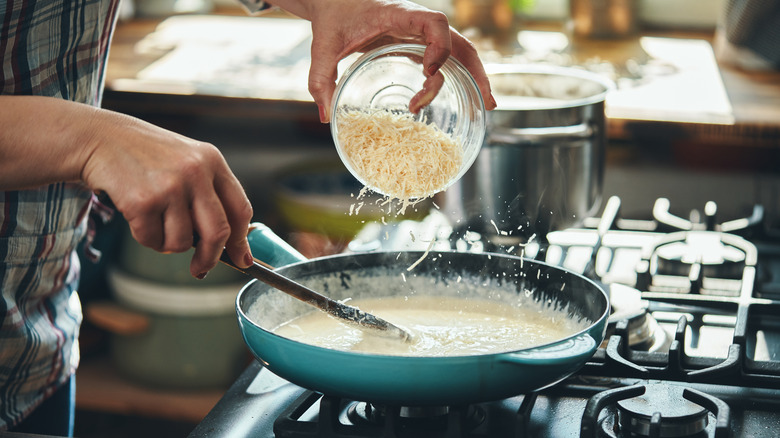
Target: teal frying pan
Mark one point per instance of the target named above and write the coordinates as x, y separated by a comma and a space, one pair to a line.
417, 381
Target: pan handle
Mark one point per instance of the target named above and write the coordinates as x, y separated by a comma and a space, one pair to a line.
271, 249
574, 349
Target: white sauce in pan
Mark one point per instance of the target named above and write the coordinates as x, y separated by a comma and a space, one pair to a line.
441, 326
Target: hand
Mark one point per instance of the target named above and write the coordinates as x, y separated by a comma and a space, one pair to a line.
343, 27
168, 187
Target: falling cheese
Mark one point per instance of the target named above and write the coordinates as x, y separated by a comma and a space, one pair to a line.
397, 155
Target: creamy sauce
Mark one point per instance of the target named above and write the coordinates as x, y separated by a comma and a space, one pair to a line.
440, 326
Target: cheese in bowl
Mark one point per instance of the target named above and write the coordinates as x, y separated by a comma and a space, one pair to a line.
401, 157
389, 149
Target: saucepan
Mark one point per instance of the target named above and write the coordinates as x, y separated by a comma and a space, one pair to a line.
414, 380
541, 167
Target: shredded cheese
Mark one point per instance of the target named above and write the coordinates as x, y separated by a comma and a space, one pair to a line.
495, 226
397, 155
422, 257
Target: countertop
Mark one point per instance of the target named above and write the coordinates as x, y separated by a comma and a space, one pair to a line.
670, 85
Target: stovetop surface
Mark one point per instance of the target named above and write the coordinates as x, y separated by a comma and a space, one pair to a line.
698, 332
256, 403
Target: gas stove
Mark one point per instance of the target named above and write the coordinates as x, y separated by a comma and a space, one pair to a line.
692, 348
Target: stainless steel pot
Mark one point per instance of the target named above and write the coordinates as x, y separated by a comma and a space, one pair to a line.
541, 167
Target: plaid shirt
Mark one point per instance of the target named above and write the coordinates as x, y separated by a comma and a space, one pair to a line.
55, 48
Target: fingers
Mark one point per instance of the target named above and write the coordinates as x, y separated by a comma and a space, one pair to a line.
465, 52
213, 230
322, 77
372, 23
218, 228
430, 89
438, 43
220, 219
239, 215
146, 229
169, 187
221, 215
201, 197
442, 41
177, 226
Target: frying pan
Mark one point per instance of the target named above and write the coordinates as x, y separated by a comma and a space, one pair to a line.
418, 381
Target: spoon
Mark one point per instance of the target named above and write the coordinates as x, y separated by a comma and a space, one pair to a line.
349, 314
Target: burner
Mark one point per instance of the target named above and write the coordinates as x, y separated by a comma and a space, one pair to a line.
522, 246
696, 262
366, 412
678, 416
316, 415
644, 333
705, 248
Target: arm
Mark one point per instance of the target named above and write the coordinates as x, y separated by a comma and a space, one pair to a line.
343, 27
167, 186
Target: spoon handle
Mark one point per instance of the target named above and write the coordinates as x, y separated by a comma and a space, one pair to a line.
334, 308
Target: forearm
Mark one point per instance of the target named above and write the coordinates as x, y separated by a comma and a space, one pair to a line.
167, 186
43, 140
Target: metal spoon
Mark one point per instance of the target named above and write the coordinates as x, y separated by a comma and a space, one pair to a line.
348, 314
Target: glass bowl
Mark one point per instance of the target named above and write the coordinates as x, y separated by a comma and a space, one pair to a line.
385, 79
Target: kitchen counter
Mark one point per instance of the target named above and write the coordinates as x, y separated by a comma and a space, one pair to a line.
671, 87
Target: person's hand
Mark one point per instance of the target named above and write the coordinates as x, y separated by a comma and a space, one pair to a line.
343, 27
168, 187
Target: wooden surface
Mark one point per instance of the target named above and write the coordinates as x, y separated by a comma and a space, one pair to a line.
99, 388
145, 55
705, 115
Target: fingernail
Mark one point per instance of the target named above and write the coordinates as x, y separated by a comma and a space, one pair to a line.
433, 69
248, 260
201, 276
493, 100
323, 114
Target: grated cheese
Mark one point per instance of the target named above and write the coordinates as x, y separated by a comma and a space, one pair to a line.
397, 155
492, 222
422, 257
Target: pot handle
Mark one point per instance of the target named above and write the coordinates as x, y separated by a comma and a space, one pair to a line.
579, 347
513, 136
269, 248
